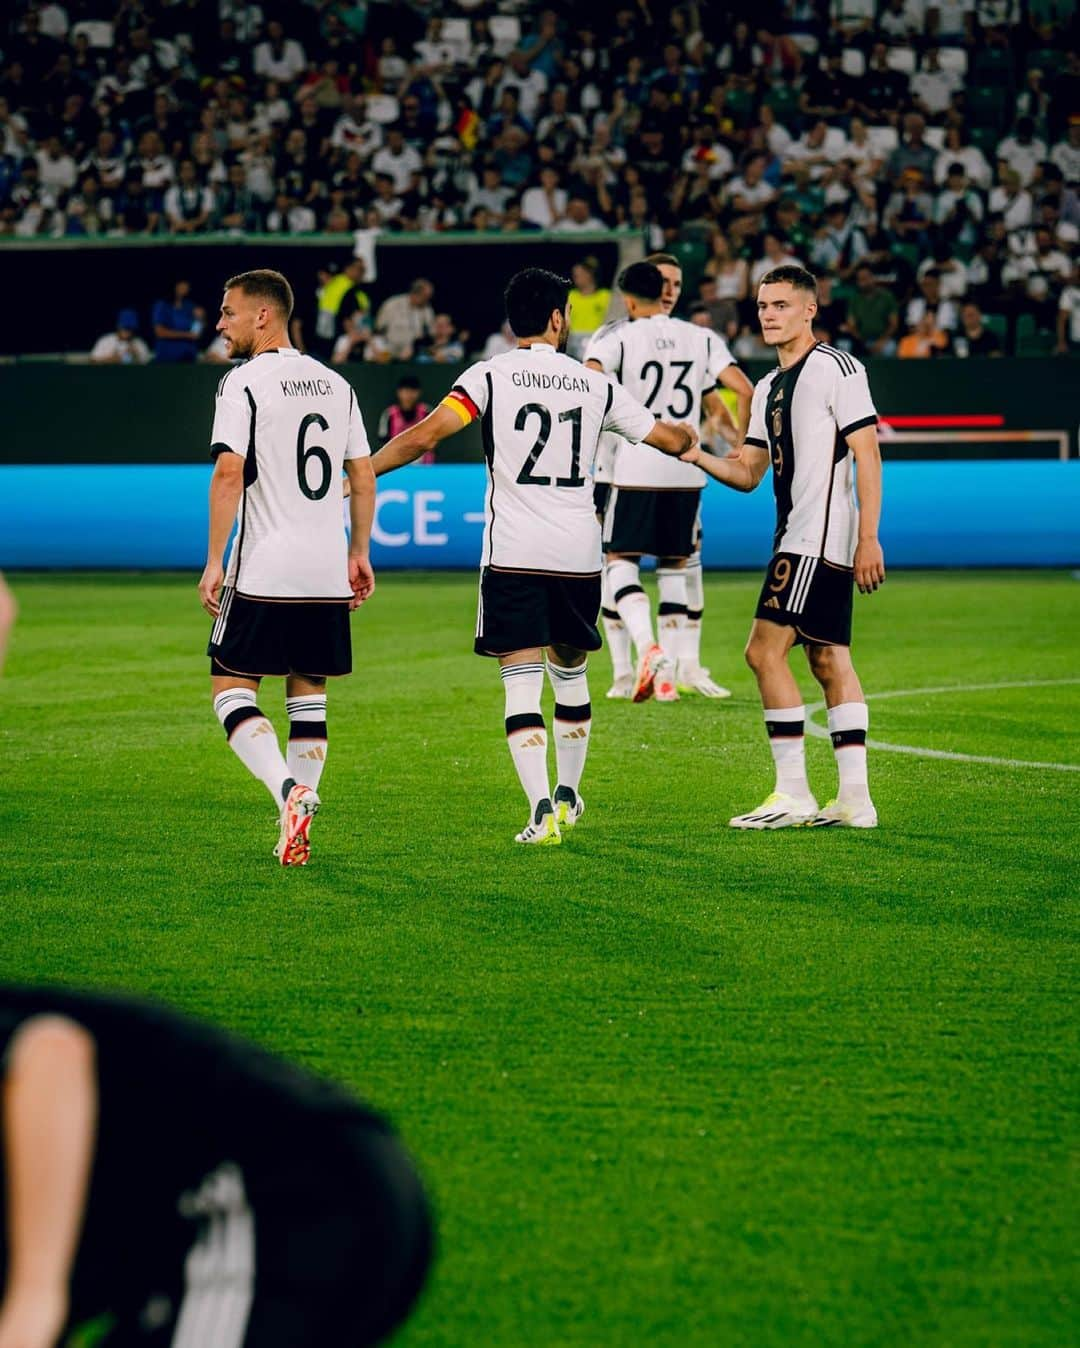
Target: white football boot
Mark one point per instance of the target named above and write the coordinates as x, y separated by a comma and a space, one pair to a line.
778, 811
839, 814
543, 828
696, 679
569, 807
622, 689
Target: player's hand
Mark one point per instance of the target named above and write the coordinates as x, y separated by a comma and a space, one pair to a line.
209, 592
869, 565
362, 584
691, 455
33, 1321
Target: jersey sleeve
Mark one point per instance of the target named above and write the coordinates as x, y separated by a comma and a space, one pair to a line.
625, 415
469, 396
720, 356
605, 347
852, 405
356, 441
755, 432
232, 420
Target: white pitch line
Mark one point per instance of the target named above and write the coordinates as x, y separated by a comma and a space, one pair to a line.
821, 732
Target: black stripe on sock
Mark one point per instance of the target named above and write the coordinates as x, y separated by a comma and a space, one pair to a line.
236, 718
307, 730
611, 614
628, 589
583, 712
694, 614
665, 609
527, 720
785, 730
842, 737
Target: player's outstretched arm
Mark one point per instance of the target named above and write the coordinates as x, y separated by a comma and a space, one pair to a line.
869, 558
361, 481
226, 488
742, 469
417, 440
675, 440
49, 1120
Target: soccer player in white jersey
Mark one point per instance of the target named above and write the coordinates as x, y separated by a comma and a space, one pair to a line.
813, 419
653, 503
285, 428
541, 416
693, 677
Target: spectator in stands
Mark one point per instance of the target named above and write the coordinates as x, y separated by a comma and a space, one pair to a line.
579, 218
57, 171
445, 347
399, 161
531, 83
122, 346
731, 273
839, 243
912, 152
178, 325
545, 204
932, 87
828, 92
882, 91
236, 206
723, 311
749, 193
923, 340
1066, 153
134, 209
490, 192
951, 22
957, 150
188, 204
1010, 201
405, 320
589, 303
290, 216
910, 211
973, 337
406, 410
901, 21
873, 318
278, 57
498, 343
930, 300
1022, 151
959, 210
1068, 317
775, 253
831, 314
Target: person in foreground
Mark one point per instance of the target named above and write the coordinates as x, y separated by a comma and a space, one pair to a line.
541, 416
185, 1189
285, 428
814, 420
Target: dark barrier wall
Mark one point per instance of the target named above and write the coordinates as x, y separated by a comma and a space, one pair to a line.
63, 299
963, 409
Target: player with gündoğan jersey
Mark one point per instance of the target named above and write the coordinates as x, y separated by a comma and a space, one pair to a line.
814, 420
541, 416
285, 428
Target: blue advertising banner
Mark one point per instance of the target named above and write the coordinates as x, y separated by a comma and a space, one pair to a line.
153, 517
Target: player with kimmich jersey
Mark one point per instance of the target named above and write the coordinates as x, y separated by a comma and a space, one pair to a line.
285, 428
814, 420
541, 416
652, 505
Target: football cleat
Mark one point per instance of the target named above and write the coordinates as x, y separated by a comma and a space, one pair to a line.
542, 830
294, 844
778, 811
622, 689
837, 814
695, 679
653, 667
569, 807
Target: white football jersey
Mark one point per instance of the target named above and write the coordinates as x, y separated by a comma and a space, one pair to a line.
669, 365
294, 422
802, 415
541, 415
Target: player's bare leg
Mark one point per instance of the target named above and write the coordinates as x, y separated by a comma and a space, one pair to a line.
526, 737
617, 640
790, 803
848, 724
567, 672
251, 737
9, 611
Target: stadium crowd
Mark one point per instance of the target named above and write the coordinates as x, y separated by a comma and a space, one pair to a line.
923, 158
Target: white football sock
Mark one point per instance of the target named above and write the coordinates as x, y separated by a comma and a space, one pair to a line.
306, 754
526, 734
671, 612
786, 740
632, 603
573, 721
615, 633
251, 737
690, 633
848, 724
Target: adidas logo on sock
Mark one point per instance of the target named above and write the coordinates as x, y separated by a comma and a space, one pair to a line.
579, 734
315, 753
535, 742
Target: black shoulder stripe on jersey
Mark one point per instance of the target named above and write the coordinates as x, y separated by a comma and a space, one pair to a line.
841, 357
750, 440
858, 425
607, 405
221, 381
834, 356
487, 437
618, 368
251, 473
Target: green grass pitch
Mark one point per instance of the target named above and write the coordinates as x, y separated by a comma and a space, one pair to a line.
671, 1085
